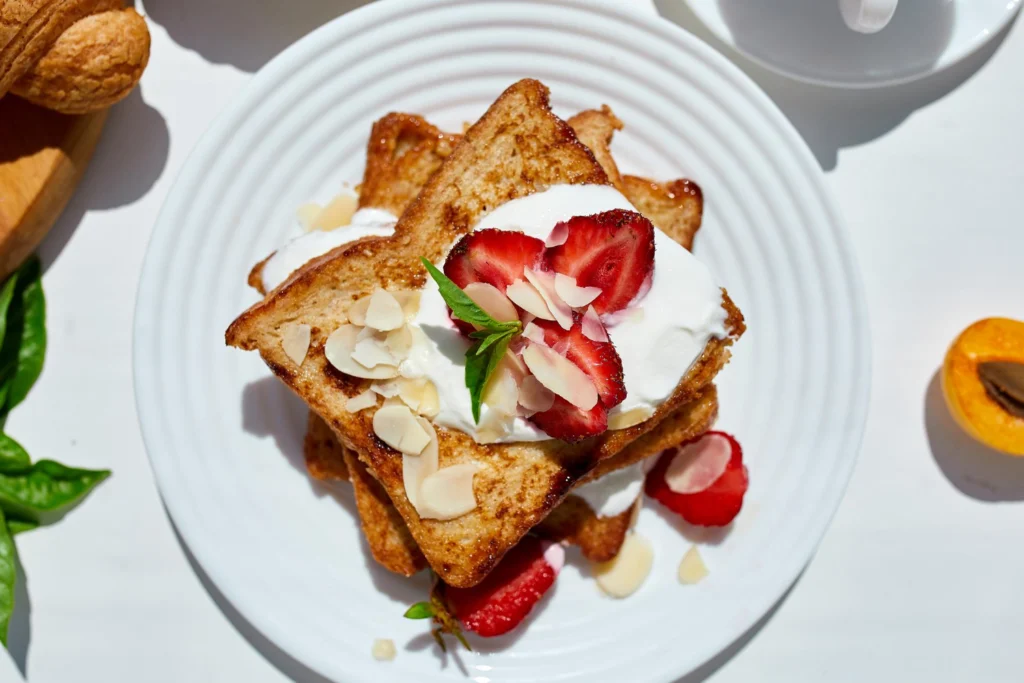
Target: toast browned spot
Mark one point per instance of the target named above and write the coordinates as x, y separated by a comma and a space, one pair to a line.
517, 148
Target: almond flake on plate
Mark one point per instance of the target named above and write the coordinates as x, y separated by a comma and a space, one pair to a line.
339, 348
384, 649
448, 492
561, 376
362, 401
545, 284
621, 576
593, 328
396, 426
572, 294
307, 214
295, 341
384, 312
692, 569
525, 296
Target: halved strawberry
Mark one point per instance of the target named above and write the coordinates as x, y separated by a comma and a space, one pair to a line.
716, 505
599, 360
565, 421
613, 250
496, 257
501, 601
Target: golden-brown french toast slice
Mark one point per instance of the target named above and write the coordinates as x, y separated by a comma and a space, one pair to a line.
517, 148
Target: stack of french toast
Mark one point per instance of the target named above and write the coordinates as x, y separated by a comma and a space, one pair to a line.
440, 186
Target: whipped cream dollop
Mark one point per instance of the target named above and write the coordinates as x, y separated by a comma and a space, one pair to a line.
658, 337
305, 248
615, 492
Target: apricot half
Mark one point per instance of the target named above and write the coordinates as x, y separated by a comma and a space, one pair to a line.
983, 382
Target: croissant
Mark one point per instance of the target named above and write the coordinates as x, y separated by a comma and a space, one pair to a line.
73, 56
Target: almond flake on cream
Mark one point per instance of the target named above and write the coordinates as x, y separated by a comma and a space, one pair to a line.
572, 294
545, 284
561, 376
492, 301
525, 296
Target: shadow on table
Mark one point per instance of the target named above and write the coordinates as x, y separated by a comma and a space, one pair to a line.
830, 119
129, 159
974, 469
711, 667
246, 35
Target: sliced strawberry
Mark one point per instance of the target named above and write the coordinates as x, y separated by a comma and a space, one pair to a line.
613, 250
496, 257
565, 421
599, 360
716, 505
501, 601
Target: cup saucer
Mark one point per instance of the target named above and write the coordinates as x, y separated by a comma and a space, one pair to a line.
807, 39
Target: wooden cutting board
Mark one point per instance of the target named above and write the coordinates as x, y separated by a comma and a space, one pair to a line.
42, 156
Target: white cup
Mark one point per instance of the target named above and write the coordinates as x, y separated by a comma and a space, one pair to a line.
867, 16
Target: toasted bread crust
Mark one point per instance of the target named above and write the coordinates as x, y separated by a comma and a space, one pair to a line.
324, 458
517, 148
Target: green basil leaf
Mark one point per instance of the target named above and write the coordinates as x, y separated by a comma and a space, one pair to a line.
28, 313
17, 526
6, 296
462, 306
491, 339
45, 490
12, 455
8, 573
421, 610
476, 378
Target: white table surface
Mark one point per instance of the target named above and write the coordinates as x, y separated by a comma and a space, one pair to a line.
921, 576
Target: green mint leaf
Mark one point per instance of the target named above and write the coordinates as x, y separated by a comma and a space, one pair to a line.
8, 573
421, 610
46, 490
26, 332
462, 306
493, 338
6, 296
12, 455
476, 378
17, 526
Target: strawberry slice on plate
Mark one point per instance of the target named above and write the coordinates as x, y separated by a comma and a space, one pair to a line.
502, 601
496, 257
613, 250
703, 480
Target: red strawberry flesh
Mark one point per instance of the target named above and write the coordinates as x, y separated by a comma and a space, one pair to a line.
599, 360
496, 257
718, 504
613, 250
565, 421
505, 597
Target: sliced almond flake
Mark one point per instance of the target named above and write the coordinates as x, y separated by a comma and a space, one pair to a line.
492, 301
448, 492
544, 282
623, 575
409, 300
561, 376
393, 401
692, 569
384, 312
525, 296
371, 352
384, 649
307, 214
534, 396
357, 311
698, 465
340, 346
593, 328
561, 347
387, 389
572, 294
628, 418
516, 365
416, 468
417, 393
399, 342
493, 427
534, 333
396, 426
337, 213
559, 234
501, 393
366, 399
295, 341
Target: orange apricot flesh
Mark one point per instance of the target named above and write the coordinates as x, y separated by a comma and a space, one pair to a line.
970, 402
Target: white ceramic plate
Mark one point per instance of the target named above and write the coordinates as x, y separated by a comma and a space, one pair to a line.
225, 438
807, 39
